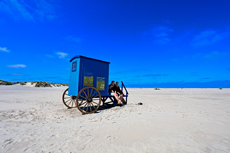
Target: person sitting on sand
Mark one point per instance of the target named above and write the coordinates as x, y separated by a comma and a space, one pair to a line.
117, 93
110, 87
113, 93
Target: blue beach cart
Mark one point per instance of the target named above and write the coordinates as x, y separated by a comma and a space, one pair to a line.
89, 85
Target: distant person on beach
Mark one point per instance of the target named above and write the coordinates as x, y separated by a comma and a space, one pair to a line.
117, 93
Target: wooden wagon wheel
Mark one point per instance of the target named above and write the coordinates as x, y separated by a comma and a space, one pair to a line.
88, 100
69, 101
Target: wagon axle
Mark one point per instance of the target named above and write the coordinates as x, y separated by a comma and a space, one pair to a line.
89, 99
74, 97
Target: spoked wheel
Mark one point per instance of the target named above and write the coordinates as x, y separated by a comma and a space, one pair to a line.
88, 100
69, 101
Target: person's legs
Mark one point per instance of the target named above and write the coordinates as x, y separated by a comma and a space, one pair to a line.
120, 96
117, 98
122, 99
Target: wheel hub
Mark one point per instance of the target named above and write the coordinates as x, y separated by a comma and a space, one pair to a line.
74, 97
89, 99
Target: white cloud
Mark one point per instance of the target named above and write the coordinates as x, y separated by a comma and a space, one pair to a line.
159, 34
28, 10
205, 34
166, 21
48, 55
61, 54
215, 55
16, 74
17, 66
210, 36
4, 49
75, 39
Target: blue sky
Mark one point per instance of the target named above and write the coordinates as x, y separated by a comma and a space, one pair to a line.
150, 43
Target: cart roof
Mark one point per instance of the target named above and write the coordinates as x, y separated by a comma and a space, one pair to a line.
79, 56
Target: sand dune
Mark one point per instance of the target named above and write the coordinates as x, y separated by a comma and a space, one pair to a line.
171, 120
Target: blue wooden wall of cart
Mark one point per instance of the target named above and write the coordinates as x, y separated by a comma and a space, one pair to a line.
84, 69
88, 85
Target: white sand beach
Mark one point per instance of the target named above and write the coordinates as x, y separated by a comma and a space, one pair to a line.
170, 120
